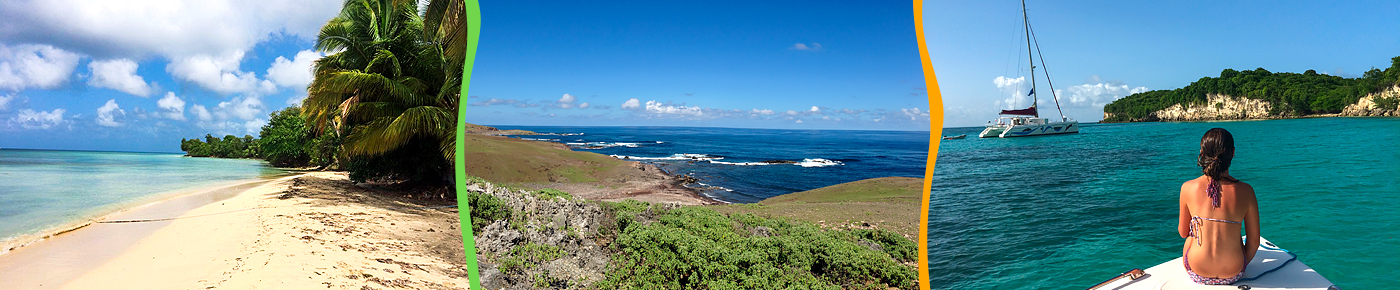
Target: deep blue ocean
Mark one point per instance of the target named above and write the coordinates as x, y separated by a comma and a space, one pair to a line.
1069, 211
732, 159
43, 190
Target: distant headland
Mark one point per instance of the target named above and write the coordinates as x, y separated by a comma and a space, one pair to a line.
1259, 94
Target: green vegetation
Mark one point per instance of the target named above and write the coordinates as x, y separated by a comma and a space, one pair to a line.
284, 140
697, 247
886, 203
228, 147
1290, 93
529, 255
388, 90
550, 193
383, 103
1388, 103
486, 209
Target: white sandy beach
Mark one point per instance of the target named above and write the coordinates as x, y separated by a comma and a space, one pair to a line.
311, 231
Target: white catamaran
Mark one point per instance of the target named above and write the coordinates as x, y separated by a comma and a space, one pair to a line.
1027, 122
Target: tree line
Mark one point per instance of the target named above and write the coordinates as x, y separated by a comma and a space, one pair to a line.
383, 102
1289, 93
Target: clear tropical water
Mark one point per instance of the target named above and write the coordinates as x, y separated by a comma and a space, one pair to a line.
41, 189
731, 159
1067, 212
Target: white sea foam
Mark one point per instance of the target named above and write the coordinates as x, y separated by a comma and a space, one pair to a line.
817, 162
599, 145
741, 163
538, 139
682, 156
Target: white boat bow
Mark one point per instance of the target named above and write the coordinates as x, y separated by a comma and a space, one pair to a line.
1272, 268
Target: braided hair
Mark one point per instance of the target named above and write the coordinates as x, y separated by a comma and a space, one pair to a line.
1217, 149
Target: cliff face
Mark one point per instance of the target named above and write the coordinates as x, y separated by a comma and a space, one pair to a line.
1217, 107
1367, 106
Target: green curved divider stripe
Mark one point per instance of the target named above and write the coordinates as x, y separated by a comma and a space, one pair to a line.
464, 212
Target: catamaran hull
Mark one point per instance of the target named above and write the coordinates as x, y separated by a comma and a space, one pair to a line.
1031, 130
991, 132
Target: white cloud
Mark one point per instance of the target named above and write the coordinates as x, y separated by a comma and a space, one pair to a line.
201, 113
30, 119
5, 102
218, 73
1017, 90
118, 74
815, 109
792, 113
171, 28
294, 73
1096, 94
245, 108
801, 46
171, 107
914, 113
34, 66
799, 121
107, 114
254, 126
765, 112
655, 107
583, 105
566, 99
632, 104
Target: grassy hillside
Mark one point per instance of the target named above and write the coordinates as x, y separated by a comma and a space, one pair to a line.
890, 203
509, 160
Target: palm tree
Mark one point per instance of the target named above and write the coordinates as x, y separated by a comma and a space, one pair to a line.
383, 85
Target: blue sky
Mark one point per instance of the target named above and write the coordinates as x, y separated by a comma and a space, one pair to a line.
798, 65
1099, 51
139, 75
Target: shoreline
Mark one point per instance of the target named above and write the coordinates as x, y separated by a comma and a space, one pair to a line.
310, 230
107, 212
71, 250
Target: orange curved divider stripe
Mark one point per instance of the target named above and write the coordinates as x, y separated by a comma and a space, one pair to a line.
935, 130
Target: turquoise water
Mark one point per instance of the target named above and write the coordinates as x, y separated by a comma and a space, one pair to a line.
41, 189
1067, 212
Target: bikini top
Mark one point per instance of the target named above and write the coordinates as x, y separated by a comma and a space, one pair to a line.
1196, 226
1214, 192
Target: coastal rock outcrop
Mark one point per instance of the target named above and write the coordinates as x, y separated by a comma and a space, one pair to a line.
1372, 104
1217, 107
550, 240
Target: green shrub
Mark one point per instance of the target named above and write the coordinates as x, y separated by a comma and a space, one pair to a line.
528, 256
894, 244
1388, 103
550, 194
486, 209
696, 247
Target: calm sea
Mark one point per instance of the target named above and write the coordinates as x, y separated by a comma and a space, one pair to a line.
732, 160
41, 189
1067, 212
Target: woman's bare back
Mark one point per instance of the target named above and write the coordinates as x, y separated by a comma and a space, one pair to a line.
1219, 252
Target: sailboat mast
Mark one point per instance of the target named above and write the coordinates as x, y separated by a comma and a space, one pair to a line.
1026, 20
